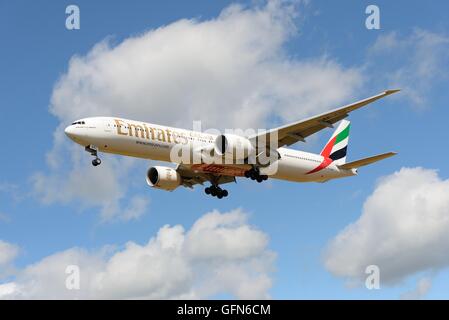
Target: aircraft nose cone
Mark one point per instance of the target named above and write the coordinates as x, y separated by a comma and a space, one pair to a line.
69, 131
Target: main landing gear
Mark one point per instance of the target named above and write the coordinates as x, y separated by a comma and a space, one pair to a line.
216, 191
254, 174
93, 151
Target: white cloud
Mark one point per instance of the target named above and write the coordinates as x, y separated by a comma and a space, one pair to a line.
137, 207
8, 253
422, 288
171, 265
416, 62
403, 229
8, 290
207, 238
230, 71
105, 186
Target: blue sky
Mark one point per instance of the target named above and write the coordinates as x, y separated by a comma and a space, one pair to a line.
298, 219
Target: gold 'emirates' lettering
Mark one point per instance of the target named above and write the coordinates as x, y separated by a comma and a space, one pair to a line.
137, 129
175, 137
119, 127
147, 131
163, 135
168, 135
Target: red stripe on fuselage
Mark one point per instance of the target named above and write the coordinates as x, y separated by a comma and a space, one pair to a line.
328, 148
326, 162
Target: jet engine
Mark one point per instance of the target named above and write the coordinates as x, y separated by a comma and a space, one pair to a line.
233, 146
163, 178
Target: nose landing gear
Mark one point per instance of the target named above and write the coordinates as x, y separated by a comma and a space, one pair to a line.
96, 162
93, 151
216, 191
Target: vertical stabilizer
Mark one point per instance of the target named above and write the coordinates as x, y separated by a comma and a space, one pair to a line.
337, 145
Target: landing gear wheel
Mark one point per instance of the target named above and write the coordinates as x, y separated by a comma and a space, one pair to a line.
93, 151
254, 174
96, 162
216, 191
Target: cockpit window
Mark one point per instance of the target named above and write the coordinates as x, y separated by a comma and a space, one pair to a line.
78, 122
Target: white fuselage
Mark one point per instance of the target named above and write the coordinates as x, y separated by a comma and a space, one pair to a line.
151, 141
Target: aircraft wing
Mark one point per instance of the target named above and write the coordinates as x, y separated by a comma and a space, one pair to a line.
190, 176
298, 131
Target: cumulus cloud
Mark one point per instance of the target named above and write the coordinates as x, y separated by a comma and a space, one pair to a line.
73, 179
240, 241
137, 207
422, 288
403, 229
8, 290
229, 72
8, 252
415, 62
173, 264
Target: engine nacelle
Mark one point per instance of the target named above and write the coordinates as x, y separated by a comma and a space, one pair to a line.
163, 178
233, 146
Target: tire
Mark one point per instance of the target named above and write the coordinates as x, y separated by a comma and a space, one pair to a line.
265, 177
225, 193
213, 192
259, 179
96, 162
207, 190
220, 195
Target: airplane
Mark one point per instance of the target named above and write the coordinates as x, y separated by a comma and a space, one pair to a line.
150, 141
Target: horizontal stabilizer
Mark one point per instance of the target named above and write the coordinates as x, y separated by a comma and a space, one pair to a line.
366, 161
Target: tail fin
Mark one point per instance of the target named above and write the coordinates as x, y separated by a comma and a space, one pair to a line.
337, 145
